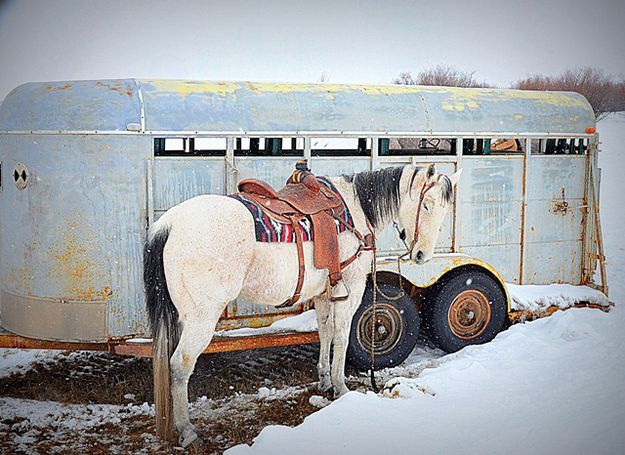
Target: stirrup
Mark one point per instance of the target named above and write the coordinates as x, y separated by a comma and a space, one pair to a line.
338, 298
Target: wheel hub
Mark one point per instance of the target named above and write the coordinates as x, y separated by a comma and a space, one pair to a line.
469, 314
388, 328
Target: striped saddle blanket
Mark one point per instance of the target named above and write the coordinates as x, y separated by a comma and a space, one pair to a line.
270, 230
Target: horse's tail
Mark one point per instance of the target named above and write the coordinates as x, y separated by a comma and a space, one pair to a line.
163, 318
162, 313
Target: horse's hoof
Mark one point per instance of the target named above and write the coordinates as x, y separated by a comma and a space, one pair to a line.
188, 437
196, 446
338, 393
324, 386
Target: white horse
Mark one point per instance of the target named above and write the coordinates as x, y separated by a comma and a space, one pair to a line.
203, 253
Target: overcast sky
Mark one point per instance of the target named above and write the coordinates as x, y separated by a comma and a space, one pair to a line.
351, 41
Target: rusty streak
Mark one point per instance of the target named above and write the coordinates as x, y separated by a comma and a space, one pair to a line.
10, 340
527, 315
228, 344
528, 150
123, 347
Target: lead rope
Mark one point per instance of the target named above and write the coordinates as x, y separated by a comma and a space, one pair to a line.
376, 290
401, 293
374, 386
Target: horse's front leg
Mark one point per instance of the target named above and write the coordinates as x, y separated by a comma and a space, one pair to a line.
343, 314
325, 322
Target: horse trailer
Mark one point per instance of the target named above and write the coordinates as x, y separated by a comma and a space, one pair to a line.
86, 167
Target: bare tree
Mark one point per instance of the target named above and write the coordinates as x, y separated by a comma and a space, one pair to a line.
405, 78
441, 75
620, 96
592, 83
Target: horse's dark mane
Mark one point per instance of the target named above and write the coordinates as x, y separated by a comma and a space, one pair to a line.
379, 195
378, 192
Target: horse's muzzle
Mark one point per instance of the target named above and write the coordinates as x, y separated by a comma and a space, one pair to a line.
419, 257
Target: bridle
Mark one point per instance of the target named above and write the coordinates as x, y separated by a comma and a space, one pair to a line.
427, 186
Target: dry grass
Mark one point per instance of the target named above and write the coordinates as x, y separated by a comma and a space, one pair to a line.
234, 427
93, 378
105, 378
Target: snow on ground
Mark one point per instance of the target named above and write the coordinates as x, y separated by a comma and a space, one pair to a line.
304, 322
20, 360
536, 298
65, 426
46, 414
550, 386
612, 163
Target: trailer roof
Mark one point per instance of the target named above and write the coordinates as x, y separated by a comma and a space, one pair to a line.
231, 107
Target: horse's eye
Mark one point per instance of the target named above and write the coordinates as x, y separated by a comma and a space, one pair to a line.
425, 206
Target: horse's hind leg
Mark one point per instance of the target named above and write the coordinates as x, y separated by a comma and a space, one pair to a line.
325, 322
197, 331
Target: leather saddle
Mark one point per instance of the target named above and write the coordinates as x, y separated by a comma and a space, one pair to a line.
303, 196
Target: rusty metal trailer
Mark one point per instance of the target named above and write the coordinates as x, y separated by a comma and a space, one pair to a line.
87, 166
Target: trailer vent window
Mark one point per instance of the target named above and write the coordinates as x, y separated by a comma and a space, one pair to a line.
493, 146
170, 146
175, 146
208, 146
293, 146
269, 146
407, 146
340, 146
561, 146
249, 146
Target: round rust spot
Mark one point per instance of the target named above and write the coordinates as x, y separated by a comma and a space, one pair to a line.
469, 314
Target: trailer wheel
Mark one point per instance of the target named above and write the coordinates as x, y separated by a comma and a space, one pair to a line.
397, 327
464, 308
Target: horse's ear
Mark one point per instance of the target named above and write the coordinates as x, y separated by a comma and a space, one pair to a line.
455, 177
431, 171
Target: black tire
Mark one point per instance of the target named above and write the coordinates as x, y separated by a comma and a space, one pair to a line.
466, 307
398, 327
